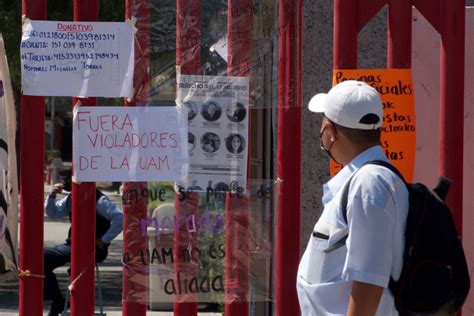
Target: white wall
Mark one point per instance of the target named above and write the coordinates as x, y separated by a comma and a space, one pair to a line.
426, 60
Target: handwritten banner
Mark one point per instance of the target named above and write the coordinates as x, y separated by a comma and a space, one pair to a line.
87, 59
399, 127
129, 144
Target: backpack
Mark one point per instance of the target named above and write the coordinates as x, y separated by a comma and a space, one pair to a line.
435, 275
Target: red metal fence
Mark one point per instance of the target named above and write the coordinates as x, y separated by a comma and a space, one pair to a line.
347, 24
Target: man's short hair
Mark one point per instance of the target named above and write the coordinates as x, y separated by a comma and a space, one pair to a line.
360, 136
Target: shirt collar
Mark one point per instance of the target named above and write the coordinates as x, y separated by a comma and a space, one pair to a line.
332, 186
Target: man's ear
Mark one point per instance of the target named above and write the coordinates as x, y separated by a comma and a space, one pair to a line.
332, 131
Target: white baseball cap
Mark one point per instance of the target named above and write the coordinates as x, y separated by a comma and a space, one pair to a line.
352, 104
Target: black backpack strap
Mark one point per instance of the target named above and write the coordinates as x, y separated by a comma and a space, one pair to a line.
345, 189
387, 165
344, 197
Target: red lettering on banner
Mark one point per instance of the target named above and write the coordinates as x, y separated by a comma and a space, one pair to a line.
127, 122
164, 161
124, 164
132, 140
146, 163
173, 138
162, 138
153, 136
80, 119
93, 142
106, 123
91, 163
127, 140
114, 122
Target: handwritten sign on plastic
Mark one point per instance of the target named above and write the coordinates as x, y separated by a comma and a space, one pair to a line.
87, 59
129, 144
399, 127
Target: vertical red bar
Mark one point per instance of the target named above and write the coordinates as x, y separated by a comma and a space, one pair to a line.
134, 243
32, 188
452, 102
239, 52
289, 160
345, 34
188, 61
135, 268
83, 210
188, 36
399, 34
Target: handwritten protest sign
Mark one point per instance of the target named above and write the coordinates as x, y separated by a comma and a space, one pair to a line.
87, 59
192, 267
129, 144
399, 127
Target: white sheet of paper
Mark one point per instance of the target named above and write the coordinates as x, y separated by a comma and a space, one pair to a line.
129, 144
85, 59
218, 131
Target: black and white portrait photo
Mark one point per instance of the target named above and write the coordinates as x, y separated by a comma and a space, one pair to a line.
211, 111
191, 141
192, 109
236, 112
210, 142
235, 143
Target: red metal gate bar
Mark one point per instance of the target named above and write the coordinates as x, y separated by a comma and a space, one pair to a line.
366, 10
32, 188
135, 209
289, 160
188, 61
345, 34
452, 102
399, 34
239, 52
431, 10
83, 209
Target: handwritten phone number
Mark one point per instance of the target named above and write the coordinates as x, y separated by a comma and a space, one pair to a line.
71, 36
66, 56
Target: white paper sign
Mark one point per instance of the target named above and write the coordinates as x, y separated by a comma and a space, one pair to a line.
218, 131
129, 144
86, 59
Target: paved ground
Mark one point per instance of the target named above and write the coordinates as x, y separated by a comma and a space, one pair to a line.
55, 231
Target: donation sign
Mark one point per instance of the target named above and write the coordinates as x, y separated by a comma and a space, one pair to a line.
218, 131
129, 144
396, 90
85, 59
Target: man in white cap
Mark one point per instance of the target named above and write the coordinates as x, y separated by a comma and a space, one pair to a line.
349, 262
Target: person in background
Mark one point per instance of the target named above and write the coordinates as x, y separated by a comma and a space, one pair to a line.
109, 220
348, 263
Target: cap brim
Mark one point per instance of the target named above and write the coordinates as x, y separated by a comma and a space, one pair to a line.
318, 103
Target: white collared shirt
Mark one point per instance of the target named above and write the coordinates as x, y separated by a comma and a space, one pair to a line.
377, 209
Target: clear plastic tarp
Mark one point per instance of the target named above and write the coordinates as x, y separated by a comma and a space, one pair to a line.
211, 247
211, 39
